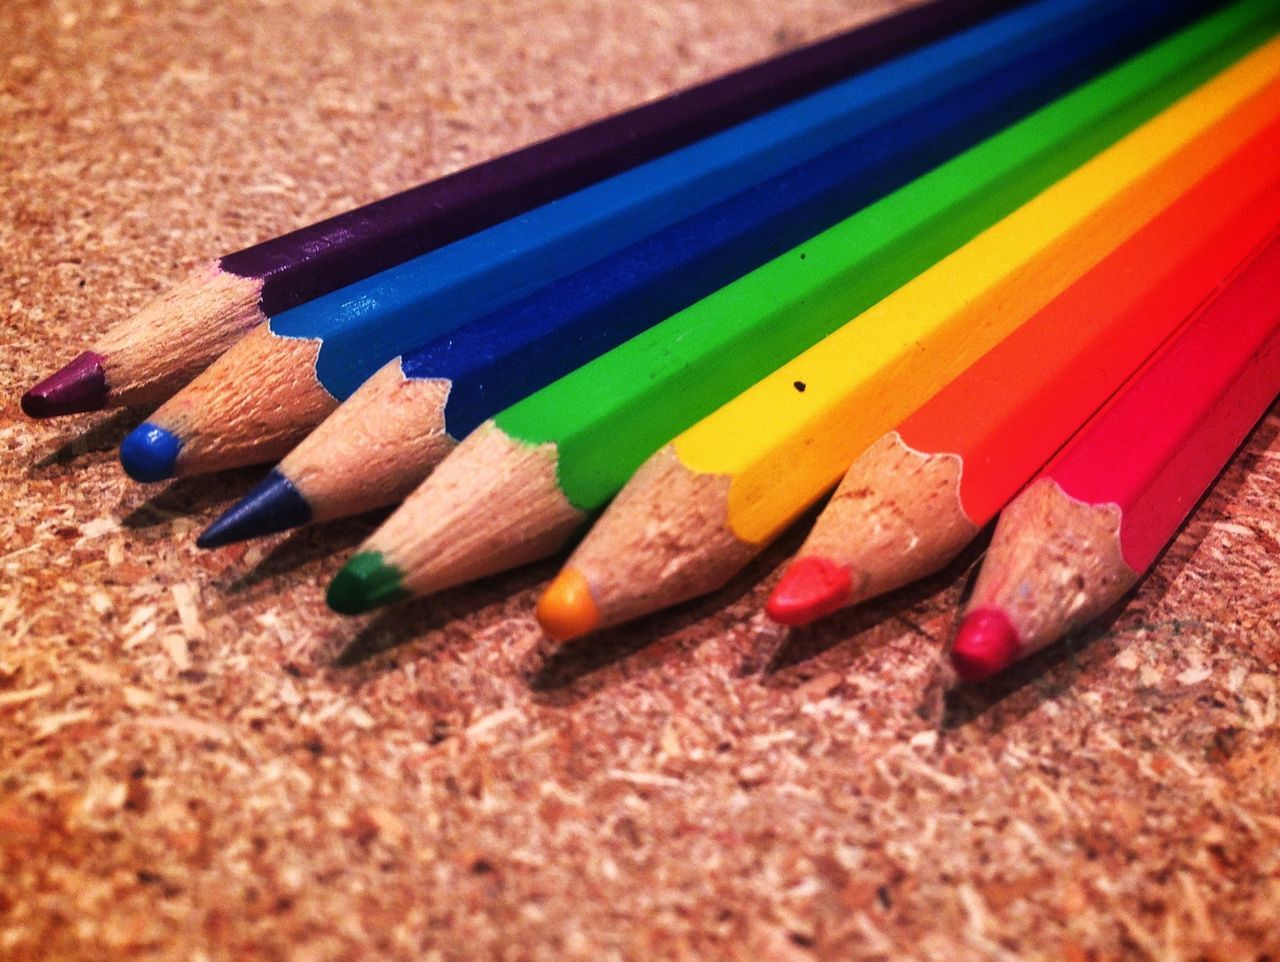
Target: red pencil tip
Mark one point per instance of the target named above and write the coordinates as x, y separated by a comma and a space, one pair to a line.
79, 386
986, 643
812, 588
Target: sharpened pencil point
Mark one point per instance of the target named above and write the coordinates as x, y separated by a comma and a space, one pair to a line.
149, 453
274, 505
812, 588
566, 609
365, 583
79, 386
986, 643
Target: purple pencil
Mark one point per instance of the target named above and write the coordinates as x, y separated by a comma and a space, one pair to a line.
147, 358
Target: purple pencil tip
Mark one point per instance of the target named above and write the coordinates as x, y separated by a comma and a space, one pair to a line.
79, 386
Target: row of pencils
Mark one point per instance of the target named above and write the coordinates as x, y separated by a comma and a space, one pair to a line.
976, 259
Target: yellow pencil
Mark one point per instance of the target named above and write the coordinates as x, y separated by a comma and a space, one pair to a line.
710, 500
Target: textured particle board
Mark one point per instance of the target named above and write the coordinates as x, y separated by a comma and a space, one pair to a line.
198, 762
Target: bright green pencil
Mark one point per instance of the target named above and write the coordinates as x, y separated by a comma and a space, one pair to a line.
518, 487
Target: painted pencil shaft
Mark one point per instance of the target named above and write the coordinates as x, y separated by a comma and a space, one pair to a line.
1083, 533
145, 359
920, 493
606, 417
229, 416
343, 249
721, 490
596, 425
385, 439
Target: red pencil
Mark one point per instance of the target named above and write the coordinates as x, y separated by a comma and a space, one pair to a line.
1094, 520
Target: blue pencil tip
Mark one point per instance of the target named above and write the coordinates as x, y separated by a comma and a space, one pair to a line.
149, 453
274, 505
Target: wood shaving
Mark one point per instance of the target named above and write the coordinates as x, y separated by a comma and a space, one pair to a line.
199, 762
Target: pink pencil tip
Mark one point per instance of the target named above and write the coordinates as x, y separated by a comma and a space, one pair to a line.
79, 386
812, 588
986, 643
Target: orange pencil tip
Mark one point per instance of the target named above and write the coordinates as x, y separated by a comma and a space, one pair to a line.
566, 609
986, 643
812, 588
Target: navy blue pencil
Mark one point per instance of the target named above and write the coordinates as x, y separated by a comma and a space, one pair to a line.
385, 439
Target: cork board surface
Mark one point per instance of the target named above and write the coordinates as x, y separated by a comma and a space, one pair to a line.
199, 762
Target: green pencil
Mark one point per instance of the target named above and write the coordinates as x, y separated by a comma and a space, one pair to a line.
517, 488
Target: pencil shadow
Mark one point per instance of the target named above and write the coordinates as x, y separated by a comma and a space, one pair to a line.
862, 628
187, 497
304, 547
566, 674
1047, 675
408, 623
563, 675
104, 435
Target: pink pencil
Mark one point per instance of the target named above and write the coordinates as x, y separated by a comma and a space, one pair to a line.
1094, 520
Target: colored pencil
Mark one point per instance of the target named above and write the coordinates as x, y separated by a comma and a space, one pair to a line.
383, 441
921, 492
273, 386
709, 501
145, 359
1094, 520
517, 487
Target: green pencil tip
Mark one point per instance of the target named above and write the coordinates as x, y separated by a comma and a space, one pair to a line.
367, 582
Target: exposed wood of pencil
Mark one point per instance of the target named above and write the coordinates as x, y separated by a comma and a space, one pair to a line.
1054, 563
662, 541
252, 405
903, 508
472, 517
391, 429
174, 337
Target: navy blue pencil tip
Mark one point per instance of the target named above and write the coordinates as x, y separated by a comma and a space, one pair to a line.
274, 505
149, 453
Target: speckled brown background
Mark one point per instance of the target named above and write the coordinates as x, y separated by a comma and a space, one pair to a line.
198, 762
